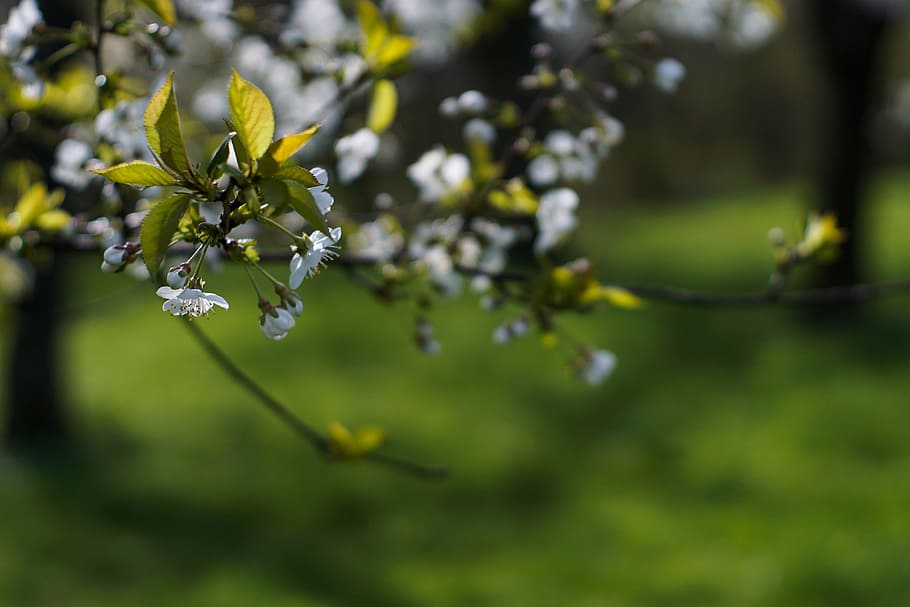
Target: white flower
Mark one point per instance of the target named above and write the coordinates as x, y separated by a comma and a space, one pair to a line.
276, 322
597, 366
354, 151
555, 217
70, 160
189, 302
22, 20
319, 248
472, 102
437, 173
668, 73
480, 130
441, 270
543, 170
377, 240
448, 107
323, 199
122, 126
555, 15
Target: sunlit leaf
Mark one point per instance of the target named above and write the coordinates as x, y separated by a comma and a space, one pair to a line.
252, 114
162, 8
383, 106
162, 128
158, 228
281, 150
136, 173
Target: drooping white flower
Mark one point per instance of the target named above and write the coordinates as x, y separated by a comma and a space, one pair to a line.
597, 366
668, 73
191, 302
324, 200
354, 151
276, 322
438, 173
555, 15
555, 217
22, 20
319, 249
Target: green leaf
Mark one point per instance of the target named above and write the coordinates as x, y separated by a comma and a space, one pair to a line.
158, 228
281, 150
162, 8
275, 194
298, 174
381, 48
382, 106
136, 173
162, 128
251, 112
302, 201
394, 50
219, 157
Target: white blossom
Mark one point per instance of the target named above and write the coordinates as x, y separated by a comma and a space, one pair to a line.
22, 20
555, 217
438, 173
324, 200
480, 130
668, 73
543, 170
291, 302
472, 102
354, 151
376, 240
191, 302
319, 249
70, 164
123, 126
597, 366
555, 15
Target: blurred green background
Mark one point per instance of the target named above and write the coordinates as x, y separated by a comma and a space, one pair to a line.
743, 457
735, 458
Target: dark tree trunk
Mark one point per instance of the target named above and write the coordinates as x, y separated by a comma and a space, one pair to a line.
850, 36
35, 413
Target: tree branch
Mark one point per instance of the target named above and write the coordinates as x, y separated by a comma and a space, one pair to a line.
320, 443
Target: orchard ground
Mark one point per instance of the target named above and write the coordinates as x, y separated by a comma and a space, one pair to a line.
736, 457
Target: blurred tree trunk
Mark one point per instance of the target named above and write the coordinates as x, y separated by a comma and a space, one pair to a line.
35, 413
849, 36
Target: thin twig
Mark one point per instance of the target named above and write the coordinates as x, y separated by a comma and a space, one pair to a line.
319, 442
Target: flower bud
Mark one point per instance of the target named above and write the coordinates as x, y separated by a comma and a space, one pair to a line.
116, 255
276, 322
176, 276
292, 303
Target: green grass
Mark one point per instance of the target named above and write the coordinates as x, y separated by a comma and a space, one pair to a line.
737, 457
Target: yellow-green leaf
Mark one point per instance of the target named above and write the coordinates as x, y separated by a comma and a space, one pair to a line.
281, 150
162, 128
136, 173
162, 8
394, 50
383, 106
372, 27
620, 298
252, 114
158, 228
298, 174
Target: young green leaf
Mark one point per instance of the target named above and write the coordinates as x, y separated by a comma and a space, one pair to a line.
381, 48
394, 50
162, 8
162, 128
298, 174
382, 106
219, 157
158, 228
302, 201
136, 173
252, 113
281, 150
